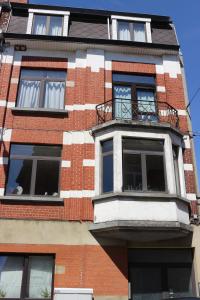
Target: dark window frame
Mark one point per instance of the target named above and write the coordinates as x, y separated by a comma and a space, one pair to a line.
131, 29
134, 87
43, 81
48, 21
143, 154
25, 282
34, 160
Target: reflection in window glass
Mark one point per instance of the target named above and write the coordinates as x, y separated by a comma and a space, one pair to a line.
40, 276
107, 166
132, 171
155, 173
11, 269
55, 27
39, 26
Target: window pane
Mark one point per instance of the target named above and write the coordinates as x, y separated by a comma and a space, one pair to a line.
107, 146
108, 173
132, 172
54, 95
35, 150
28, 93
139, 32
47, 176
55, 26
124, 31
19, 177
40, 276
155, 173
133, 78
142, 144
11, 269
55, 74
179, 282
39, 26
123, 108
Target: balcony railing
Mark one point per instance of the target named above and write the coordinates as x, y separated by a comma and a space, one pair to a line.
137, 110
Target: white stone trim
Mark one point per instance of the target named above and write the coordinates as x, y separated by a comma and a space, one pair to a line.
11, 104
108, 65
161, 89
77, 194
182, 112
87, 106
7, 57
114, 29
49, 12
95, 59
65, 163
70, 83
188, 167
6, 134
186, 142
88, 162
191, 196
2, 191
126, 18
108, 85
171, 65
181, 172
77, 137
3, 103
29, 23
3, 160
148, 32
73, 291
14, 80
65, 25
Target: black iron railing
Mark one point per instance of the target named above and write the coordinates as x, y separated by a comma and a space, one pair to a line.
139, 110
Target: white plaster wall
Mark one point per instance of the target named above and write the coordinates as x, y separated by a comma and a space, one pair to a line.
130, 210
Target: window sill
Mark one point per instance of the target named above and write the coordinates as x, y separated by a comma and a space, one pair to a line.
153, 196
39, 111
41, 199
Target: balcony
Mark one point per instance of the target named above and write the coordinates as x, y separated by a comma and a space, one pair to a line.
137, 110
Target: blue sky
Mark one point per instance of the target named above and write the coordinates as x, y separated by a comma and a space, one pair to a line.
186, 16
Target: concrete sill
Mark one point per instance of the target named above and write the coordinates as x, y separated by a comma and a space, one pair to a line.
39, 111
31, 199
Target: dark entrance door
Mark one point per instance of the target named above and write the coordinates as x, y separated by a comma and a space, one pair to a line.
160, 274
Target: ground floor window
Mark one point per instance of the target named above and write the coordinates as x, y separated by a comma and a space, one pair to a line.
26, 276
154, 276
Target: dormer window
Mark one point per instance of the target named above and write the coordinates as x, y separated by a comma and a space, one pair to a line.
131, 31
48, 22
134, 29
47, 25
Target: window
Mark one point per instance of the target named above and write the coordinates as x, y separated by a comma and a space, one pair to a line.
47, 25
134, 97
143, 165
41, 89
175, 150
34, 170
107, 166
131, 31
28, 276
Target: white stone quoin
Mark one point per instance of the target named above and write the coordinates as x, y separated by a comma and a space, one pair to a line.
73, 294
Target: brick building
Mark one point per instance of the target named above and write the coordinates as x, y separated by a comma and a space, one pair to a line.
97, 172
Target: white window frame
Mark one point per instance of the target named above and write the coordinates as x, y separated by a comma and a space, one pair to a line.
117, 137
65, 15
116, 18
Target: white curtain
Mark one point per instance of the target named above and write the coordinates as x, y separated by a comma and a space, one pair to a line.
54, 95
39, 24
122, 96
139, 32
11, 276
55, 26
124, 31
146, 101
40, 280
28, 93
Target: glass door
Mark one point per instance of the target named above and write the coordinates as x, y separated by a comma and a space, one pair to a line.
122, 102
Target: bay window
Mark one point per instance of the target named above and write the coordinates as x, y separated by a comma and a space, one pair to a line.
41, 89
47, 25
34, 170
26, 276
143, 165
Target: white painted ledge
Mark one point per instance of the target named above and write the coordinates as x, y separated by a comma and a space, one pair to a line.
73, 294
